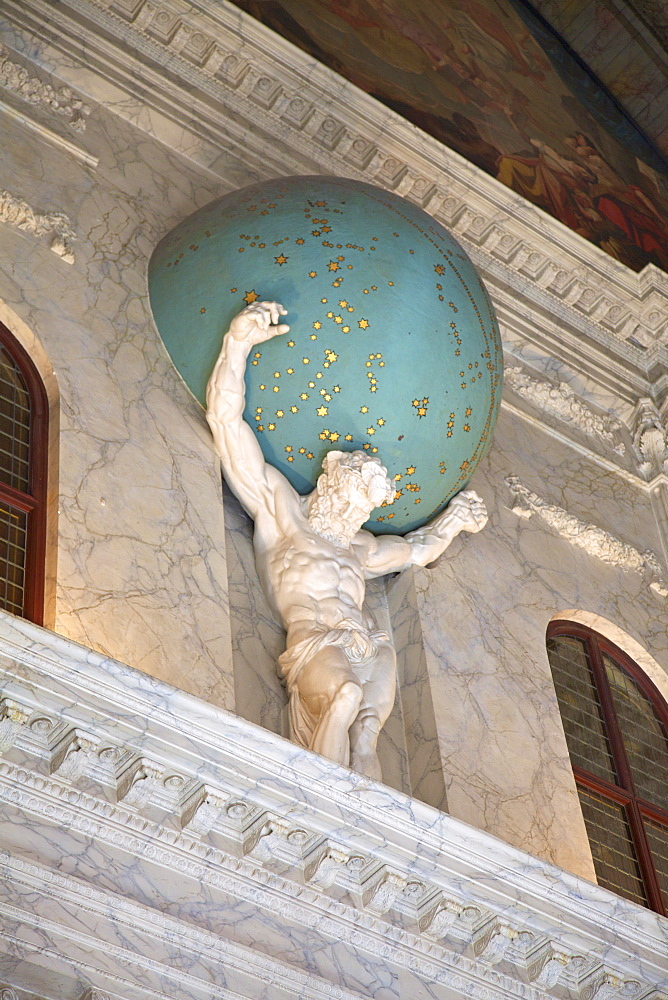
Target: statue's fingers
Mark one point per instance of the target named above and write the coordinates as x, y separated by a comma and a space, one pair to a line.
276, 310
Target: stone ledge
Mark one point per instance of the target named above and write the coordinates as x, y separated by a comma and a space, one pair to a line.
129, 775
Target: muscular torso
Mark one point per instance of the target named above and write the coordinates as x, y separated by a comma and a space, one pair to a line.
308, 578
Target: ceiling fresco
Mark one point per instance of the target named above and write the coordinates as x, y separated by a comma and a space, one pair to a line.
625, 44
490, 80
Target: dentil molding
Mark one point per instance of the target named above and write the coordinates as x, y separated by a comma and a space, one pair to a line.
198, 833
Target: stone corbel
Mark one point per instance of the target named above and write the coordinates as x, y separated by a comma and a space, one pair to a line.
650, 439
13, 717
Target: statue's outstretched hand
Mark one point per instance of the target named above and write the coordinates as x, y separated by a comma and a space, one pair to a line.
258, 322
465, 512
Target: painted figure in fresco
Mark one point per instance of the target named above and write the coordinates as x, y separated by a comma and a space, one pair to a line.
559, 184
477, 61
313, 559
625, 206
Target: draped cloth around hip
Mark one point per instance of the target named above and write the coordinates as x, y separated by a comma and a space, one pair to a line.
359, 644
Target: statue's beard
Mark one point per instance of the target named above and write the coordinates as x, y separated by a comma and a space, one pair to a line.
326, 520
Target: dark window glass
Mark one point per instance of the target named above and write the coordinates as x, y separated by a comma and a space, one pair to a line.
14, 425
616, 726
23, 440
612, 846
580, 706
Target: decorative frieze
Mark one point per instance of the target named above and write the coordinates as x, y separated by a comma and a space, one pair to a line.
18, 213
60, 101
470, 935
589, 537
561, 401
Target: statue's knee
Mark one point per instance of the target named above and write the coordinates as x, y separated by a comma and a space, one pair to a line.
349, 696
369, 722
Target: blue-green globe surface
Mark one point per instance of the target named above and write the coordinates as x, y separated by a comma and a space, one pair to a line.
393, 345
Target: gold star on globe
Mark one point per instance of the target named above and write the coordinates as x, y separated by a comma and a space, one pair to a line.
281, 260
363, 324
251, 297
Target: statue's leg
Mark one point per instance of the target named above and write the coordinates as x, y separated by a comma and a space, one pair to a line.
332, 694
379, 678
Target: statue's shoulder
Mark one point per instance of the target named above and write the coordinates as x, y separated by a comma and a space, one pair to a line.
363, 543
283, 501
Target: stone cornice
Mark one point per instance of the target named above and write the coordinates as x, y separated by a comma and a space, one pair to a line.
255, 96
146, 772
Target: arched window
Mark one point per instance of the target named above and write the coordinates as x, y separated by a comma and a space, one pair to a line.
616, 726
23, 465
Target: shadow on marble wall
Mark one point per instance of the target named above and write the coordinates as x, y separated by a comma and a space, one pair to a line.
426, 776
257, 639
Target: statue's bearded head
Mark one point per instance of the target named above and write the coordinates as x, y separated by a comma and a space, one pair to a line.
352, 484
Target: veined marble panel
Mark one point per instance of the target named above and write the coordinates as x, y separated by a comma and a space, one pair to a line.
187, 102
283, 108
153, 844
142, 555
484, 610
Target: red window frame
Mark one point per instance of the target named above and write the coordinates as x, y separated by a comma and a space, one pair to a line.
33, 502
624, 793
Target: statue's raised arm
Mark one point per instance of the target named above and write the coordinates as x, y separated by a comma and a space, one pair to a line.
253, 481
392, 553
313, 558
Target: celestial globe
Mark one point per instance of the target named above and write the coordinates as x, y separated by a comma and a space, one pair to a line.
393, 347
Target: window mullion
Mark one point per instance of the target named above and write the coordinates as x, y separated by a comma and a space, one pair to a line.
652, 887
614, 732
625, 777
602, 787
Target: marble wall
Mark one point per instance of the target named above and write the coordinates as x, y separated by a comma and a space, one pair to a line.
153, 845
155, 564
482, 737
142, 553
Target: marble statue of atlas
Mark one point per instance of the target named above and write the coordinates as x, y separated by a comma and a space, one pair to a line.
313, 559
